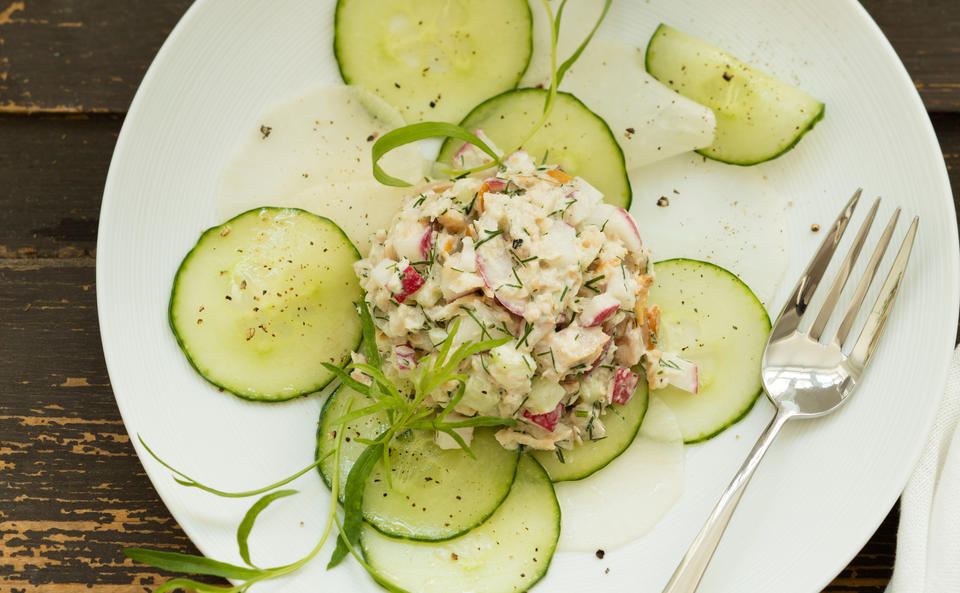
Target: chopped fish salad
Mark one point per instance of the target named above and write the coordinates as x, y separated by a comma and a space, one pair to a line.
533, 254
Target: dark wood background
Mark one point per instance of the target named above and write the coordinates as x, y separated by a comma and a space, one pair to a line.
72, 491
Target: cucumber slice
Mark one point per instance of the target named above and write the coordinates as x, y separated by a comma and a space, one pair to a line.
508, 553
433, 59
434, 494
622, 424
263, 299
574, 137
758, 116
710, 317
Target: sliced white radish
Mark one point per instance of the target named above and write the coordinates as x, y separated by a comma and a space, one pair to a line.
598, 309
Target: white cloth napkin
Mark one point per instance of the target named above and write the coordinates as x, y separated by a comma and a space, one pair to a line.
928, 541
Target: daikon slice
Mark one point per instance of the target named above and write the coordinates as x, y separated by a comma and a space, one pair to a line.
622, 501
313, 152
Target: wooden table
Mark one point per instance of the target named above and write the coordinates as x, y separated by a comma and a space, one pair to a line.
72, 491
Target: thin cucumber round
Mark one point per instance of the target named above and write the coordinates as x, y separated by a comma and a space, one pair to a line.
508, 553
758, 116
573, 137
433, 59
622, 424
710, 317
433, 494
263, 299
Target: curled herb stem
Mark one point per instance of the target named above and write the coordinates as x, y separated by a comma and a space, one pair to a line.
185, 480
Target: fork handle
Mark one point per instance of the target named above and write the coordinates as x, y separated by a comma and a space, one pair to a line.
687, 577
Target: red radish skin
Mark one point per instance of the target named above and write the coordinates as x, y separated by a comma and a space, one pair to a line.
494, 278
624, 384
686, 375
406, 357
603, 354
546, 421
426, 243
601, 316
410, 282
495, 184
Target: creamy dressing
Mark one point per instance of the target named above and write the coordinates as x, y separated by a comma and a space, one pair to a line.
313, 152
622, 501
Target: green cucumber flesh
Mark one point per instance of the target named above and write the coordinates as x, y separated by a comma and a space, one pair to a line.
573, 137
710, 317
433, 494
508, 553
759, 117
622, 424
263, 299
433, 59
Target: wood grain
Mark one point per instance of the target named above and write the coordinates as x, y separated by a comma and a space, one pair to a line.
67, 56
52, 171
63, 56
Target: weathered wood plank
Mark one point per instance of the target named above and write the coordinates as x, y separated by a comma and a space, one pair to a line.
926, 36
52, 171
64, 56
72, 492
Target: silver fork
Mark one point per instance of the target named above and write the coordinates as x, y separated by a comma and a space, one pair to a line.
802, 377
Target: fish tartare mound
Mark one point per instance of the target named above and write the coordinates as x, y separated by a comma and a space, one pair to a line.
529, 253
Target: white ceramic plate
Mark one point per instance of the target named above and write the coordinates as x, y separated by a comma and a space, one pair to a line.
825, 485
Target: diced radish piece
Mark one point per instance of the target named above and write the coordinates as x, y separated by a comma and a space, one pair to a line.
680, 373
546, 421
495, 184
469, 156
624, 384
624, 228
426, 243
406, 359
617, 223
407, 239
410, 281
496, 270
598, 309
603, 354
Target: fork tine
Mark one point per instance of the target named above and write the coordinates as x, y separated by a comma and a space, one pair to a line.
857, 301
843, 274
797, 304
867, 341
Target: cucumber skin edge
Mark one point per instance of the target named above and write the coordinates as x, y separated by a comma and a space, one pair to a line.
810, 125
545, 567
636, 431
327, 482
623, 162
753, 402
701, 151
173, 294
